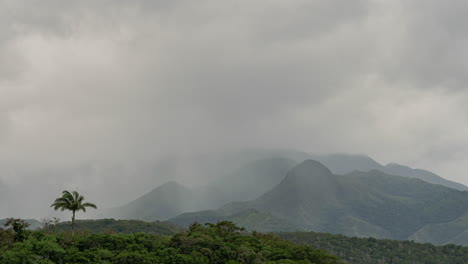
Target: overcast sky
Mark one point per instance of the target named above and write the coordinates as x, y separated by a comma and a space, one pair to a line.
121, 82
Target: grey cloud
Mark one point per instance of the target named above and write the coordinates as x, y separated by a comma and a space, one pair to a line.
432, 54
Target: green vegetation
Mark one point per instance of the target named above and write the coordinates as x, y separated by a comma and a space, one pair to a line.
33, 224
19, 226
72, 202
372, 251
132, 241
214, 243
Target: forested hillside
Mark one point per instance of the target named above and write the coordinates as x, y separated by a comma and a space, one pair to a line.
355, 250
131, 241
215, 244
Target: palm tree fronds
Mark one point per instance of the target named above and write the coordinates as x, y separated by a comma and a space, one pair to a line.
90, 205
71, 201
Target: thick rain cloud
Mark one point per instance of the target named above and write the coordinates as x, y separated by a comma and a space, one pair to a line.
93, 93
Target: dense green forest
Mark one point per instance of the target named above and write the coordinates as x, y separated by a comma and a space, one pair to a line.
132, 241
351, 249
213, 243
355, 250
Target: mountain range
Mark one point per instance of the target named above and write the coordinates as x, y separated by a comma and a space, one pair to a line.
345, 163
347, 194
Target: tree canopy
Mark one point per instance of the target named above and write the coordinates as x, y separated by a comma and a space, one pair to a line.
215, 243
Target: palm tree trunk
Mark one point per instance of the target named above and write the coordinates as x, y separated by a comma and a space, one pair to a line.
73, 223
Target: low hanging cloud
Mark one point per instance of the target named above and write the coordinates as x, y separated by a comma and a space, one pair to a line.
87, 85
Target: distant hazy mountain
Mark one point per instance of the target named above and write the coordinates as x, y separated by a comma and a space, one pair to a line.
163, 202
345, 163
358, 204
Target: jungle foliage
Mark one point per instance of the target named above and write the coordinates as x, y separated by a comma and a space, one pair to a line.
353, 250
213, 243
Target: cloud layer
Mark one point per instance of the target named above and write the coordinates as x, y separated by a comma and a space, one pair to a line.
87, 85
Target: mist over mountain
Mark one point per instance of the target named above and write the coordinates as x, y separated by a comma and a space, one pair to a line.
347, 163
340, 163
246, 183
242, 176
171, 198
214, 179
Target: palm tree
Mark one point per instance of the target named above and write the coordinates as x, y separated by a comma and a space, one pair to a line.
72, 201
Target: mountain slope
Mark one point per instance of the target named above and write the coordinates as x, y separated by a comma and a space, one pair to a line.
397, 169
372, 203
454, 232
347, 163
